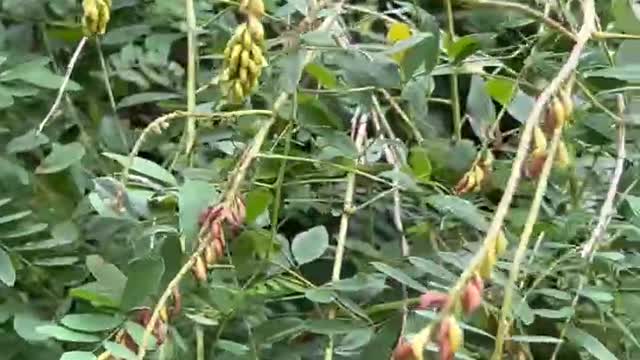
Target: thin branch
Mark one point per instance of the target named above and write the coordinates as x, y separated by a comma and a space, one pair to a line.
606, 211
234, 184
392, 155
107, 85
159, 123
563, 75
359, 133
455, 91
532, 218
65, 81
190, 126
403, 115
524, 9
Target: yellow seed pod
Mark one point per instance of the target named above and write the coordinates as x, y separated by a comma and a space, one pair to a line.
559, 113
164, 315
96, 16
238, 91
244, 59
488, 262
456, 335
242, 75
234, 58
539, 140
562, 159
479, 177
246, 39
567, 103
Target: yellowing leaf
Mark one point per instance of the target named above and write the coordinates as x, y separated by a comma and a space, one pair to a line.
398, 31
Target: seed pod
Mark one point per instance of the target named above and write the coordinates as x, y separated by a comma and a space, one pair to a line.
177, 302
242, 75
433, 300
471, 298
567, 103
164, 314
456, 336
539, 139
244, 59
246, 39
562, 159
199, 269
535, 163
488, 262
479, 177
234, 58
238, 91
465, 184
555, 117
209, 253
253, 69
403, 351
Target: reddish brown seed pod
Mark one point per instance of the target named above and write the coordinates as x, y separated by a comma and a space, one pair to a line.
433, 300
199, 269
403, 351
177, 302
471, 298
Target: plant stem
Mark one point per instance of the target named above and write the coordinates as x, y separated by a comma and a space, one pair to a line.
532, 217
65, 81
107, 85
190, 126
455, 88
359, 133
586, 31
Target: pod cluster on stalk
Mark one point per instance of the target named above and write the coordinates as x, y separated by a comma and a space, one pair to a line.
142, 317
477, 174
559, 114
213, 241
96, 16
448, 334
244, 54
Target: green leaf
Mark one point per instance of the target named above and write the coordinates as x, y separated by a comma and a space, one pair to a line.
626, 19
465, 46
399, 276
15, 216
332, 327
460, 209
29, 141
36, 73
630, 73
323, 75
420, 163
78, 355
6, 100
64, 334
90, 322
25, 324
257, 203
561, 313
137, 333
589, 343
432, 268
57, 261
146, 97
61, 157
109, 277
193, 198
291, 65
310, 245
480, 108
232, 347
144, 167
360, 70
24, 231
119, 351
125, 34
143, 278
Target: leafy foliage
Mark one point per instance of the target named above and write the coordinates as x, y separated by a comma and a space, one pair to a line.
101, 210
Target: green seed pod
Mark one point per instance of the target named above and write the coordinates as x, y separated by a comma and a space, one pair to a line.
235, 58
242, 75
244, 59
246, 40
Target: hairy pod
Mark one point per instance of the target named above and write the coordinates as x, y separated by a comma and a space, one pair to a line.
501, 244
